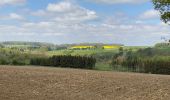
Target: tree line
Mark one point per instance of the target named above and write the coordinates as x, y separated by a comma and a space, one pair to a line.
135, 61
65, 61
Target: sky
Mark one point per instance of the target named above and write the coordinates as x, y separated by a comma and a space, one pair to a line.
128, 22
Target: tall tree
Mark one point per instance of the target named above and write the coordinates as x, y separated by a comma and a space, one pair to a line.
163, 6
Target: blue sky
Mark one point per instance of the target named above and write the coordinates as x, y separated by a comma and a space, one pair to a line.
129, 22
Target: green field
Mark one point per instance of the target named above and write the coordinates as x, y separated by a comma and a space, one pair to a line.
80, 52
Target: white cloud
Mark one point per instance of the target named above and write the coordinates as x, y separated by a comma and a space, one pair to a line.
11, 2
128, 34
149, 14
60, 7
12, 17
118, 1
15, 16
39, 13
66, 12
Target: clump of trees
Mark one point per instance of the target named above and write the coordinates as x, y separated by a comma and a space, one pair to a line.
15, 57
66, 61
12, 57
156, 65
135, 61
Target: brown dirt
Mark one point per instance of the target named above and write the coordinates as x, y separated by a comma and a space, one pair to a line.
39, 83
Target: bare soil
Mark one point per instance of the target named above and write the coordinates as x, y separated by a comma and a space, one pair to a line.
40, 83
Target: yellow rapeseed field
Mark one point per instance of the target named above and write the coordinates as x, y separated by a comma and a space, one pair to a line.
82, 47
111, 47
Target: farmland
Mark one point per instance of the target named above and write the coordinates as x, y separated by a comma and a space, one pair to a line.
125, 58
21, 53
28, 50
42, 83
85, 50
111, 78
103, 56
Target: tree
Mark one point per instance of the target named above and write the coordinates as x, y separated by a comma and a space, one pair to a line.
163, 6
121, 51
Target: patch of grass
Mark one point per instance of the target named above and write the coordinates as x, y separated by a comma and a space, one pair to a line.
103, 67
122, 69
135, 48
79, 52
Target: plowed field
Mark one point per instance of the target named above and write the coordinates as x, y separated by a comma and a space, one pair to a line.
40, 83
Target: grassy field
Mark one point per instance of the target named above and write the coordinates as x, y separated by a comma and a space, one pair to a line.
103, 67
42, 83
91, 52
80, 52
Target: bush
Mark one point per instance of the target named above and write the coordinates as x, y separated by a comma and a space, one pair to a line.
17, 62
3, 62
